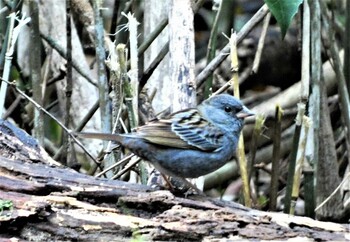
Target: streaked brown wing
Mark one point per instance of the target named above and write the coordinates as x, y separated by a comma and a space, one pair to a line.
159, 132
196, 131
184, 130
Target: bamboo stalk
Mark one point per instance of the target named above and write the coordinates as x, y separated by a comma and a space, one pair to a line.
106, 115
240, 149
133, 72
314, 105
259, 124
69, 152
293, 157
211, 49
275, 158
299, 163
305, 65
309, 192
12, 38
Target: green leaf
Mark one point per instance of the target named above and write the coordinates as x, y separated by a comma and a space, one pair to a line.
5, 204
283, 11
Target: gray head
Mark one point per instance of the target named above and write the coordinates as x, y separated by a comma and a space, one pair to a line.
225, 110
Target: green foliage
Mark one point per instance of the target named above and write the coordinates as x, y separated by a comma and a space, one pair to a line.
283, 11
5, 204
53, 131
262, 201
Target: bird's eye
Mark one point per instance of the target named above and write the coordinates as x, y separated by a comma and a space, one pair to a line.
228, 109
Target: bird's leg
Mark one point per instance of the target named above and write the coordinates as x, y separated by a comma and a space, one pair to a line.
186, 183
170, 186
189, 184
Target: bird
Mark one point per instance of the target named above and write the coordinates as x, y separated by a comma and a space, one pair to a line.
189, 143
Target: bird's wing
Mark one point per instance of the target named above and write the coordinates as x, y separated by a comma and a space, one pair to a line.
191, 127
159, 132
183, 130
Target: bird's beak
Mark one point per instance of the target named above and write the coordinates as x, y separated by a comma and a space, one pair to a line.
244, 113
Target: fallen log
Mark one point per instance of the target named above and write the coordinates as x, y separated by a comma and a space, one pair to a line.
41, 200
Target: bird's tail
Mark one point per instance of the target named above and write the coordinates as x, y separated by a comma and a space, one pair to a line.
102, 136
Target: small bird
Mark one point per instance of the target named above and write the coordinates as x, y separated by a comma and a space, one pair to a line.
189, 143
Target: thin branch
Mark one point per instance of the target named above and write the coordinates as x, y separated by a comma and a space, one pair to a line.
63, 53
120, 162
346, 179
51, 116
260, 48
223, 54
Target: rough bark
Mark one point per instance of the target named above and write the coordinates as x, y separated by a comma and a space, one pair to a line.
327, 167
181, 54
52, 202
